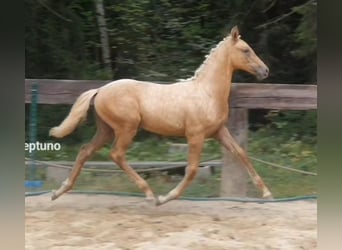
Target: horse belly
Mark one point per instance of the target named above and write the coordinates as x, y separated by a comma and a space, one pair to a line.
163, 124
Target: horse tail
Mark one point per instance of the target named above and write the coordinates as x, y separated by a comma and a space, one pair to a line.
76, 115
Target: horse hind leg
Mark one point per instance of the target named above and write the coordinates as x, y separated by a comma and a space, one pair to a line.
104, 134
123, 138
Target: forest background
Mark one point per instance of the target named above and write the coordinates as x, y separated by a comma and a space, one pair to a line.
164, 40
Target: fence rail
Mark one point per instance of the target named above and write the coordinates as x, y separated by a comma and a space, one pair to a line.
244, 96
112, 165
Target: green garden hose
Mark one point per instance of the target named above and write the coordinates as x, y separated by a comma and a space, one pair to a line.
235, 199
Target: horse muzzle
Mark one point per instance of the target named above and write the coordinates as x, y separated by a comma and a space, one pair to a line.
262, 72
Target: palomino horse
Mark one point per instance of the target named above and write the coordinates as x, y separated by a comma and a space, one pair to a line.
196, 108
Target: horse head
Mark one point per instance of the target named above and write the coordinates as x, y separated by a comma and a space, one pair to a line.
243, 57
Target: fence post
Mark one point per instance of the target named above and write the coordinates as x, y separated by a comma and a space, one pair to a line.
33, 129
234, 176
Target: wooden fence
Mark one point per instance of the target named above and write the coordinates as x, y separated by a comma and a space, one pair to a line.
243, 96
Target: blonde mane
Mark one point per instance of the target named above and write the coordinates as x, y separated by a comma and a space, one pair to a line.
207, 58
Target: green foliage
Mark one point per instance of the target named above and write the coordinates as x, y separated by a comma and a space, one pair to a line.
306, 31
289, 140
163, 40
293, 133
52, 115
296, 125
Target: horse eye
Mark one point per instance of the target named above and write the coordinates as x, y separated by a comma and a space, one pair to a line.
245, 51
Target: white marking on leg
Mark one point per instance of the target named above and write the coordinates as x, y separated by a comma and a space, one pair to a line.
56, 193
173, 194
66, 183
267, 193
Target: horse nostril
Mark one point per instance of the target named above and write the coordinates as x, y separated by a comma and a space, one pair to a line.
262, 72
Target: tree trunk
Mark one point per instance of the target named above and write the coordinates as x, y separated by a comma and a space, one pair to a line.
101, 20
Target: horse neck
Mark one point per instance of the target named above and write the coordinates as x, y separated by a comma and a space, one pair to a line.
215, 76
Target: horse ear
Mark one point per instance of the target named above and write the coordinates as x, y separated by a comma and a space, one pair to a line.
235, 34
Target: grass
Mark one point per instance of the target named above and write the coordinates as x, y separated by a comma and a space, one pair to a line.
264, 144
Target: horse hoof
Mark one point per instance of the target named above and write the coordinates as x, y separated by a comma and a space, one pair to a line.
150, 200
54, 196
268, 197
157, 201
160, 200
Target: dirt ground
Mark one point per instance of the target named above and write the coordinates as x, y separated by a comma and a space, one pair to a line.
103, 222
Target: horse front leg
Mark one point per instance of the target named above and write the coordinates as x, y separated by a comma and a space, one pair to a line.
226, 139
195, 150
